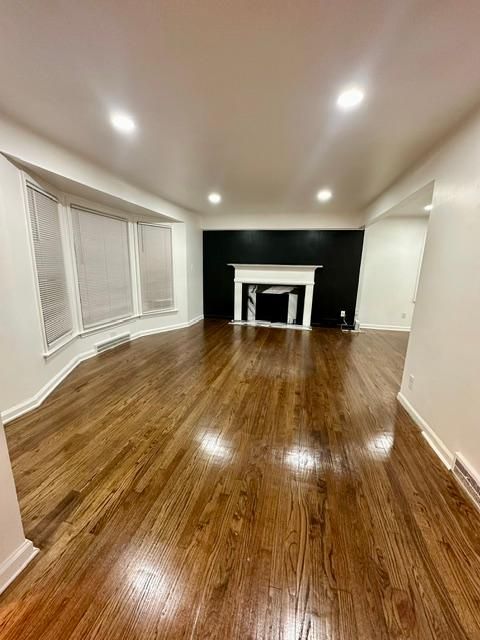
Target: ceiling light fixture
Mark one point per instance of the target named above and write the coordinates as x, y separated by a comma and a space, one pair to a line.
429, 207
324, 195
214, 198
350, 98
123, 122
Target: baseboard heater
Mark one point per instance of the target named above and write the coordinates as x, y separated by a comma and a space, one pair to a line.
467, 478
112, 342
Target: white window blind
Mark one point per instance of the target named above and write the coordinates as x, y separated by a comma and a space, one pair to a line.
156, 272
103, 267
50, 265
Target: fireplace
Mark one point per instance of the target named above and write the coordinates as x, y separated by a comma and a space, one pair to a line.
289, 289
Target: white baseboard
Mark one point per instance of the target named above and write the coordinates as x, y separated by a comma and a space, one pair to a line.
442, 451
151, 332
35, 401
383, 327
16, 563
174, 327
195, 320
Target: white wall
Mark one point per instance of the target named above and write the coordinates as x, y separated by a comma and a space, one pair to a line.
29, 375
444, 348
392, 252
321, 220
194, 238
15, 551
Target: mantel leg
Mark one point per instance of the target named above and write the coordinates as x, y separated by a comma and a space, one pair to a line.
307, 307
252, 303
237, 313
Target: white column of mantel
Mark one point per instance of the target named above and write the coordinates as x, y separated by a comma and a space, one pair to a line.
237, 312
307, 306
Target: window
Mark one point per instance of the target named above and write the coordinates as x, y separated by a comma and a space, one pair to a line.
50, 265
103, 267
156, 273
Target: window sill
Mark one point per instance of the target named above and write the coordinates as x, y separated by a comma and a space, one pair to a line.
58, 347
157, 312
92, 330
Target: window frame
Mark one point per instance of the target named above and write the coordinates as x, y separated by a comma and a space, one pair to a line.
153, 312
28, 182
73, 205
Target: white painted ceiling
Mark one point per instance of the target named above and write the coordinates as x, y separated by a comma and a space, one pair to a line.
414, 205
239, 96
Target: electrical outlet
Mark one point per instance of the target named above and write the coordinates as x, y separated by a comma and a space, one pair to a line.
342, 314
411, 380
404, 315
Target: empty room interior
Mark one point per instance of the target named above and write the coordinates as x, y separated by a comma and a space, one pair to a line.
239, 280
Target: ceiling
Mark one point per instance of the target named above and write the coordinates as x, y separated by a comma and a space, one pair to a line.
86, 193
239, 97
413, 206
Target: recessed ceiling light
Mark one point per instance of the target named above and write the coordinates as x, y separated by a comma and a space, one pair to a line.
324, 195
350, 98
429, 207
122, 122
214, 198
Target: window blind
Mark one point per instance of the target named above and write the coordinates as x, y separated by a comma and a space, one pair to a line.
50, 265
156, 272
103, 267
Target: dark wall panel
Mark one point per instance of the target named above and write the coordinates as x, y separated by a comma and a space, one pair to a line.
336, 284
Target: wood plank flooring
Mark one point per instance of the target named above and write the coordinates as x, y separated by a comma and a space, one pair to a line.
244, 483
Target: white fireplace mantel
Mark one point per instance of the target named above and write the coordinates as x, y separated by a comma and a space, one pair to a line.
275, 274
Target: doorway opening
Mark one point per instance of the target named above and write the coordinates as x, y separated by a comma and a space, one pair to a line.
391, 270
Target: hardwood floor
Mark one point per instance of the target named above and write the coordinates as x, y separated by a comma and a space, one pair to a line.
238, 483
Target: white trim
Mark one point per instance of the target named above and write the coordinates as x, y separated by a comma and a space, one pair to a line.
35, 401
194, 320
27, 182
61, 345
16, 562
272, 274
442, 451
384, 327
420, 262
181, 325
131, 266
281, 281
157, 312
246, 266
102, 327
135, 264
138, 275
72, 271
81, 207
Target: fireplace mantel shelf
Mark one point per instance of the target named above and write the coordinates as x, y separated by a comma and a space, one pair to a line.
240, 265
275, 274
296, 274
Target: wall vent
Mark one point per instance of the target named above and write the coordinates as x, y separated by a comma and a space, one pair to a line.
110, 343
467, 478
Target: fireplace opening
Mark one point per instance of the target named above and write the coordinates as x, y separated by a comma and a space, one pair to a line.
276, 304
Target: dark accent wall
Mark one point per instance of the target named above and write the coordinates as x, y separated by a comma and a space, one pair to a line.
336, 284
